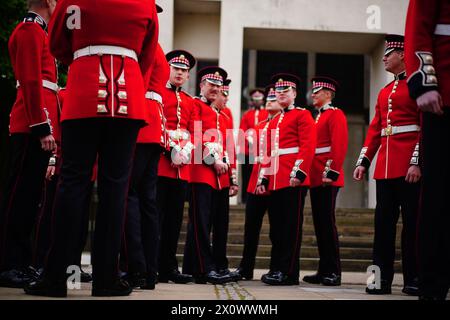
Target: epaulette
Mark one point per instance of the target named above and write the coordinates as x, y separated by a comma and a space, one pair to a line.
35, 18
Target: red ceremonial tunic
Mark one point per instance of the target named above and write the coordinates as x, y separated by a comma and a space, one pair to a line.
208, 144
156, 78
396, 152
180, 113
36, 107
332, 141
105, 85
292, 147
427, 47
261, 138
248, 123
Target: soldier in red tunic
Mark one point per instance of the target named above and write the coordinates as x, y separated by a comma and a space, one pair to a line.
140, 246
427, 47
31, 126
257, 204
249, 120
103, 111
209, 164
292, 146
394, 133
327, 177
228, 183
173, 171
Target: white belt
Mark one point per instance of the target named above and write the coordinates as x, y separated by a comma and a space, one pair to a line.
46, 84
152, 95
323, 150
391, 130
284, 151
442, 30
178, 135
100, 50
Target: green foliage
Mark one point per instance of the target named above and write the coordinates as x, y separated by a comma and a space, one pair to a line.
11, 13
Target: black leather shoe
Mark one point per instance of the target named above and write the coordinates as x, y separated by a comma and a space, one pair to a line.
385, 289
240, 274
331, 280
212, 277
411, 288
135, 279
150, 283
14, 279
280, 279
269, 274
118, 288
47, 288
176, 277
313, 278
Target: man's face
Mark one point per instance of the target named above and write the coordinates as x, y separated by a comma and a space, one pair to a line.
257, 103
287, 97
393, 60
178, 76
221, 101
321, 98
273, 106
209, 90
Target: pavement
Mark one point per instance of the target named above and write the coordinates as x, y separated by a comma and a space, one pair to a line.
352, 288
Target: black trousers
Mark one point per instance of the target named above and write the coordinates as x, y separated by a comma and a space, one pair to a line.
43, 233
255, 209
141, 237
286, 223
20, 205
113, 140
246, 168
198, 252
221, 217
434, 220
393, 196
170, 196
323, 205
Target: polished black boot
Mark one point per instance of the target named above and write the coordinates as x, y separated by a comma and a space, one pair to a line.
313, 278
176, 277
241, 274
47, 288
412, 288
119, 288
150, 283
280, 279
331, 280
212, 277
385, 289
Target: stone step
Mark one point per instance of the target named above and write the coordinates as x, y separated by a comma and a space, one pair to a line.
306, 251
353, 265
340, 212
308, 229
307, 240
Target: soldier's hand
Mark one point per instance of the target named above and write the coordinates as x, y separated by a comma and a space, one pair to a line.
233, 191
326, 181
359, 172
260, 189
413, 175
430, 101
220, 167
294, 182
50, 172
48, 143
